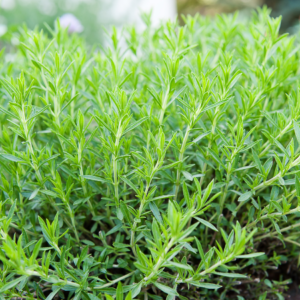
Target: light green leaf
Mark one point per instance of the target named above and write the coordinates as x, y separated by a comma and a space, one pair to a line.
135, 124
180, 266
166, 289
155, 212
119, 291
251, 255
49, 193
187, 175
297, 131
129, 296
9, 285
12, 157
137, 289
231, 275
206, 223
200, 137
52, 294
204, 285
114, 229
96, 178
128, 182
176, 95
245, 196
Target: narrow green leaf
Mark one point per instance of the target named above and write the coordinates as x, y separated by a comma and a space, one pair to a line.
135, 124
165, 289
137, 289
251, 255
128, 182
96, 178
11, 284
187, 175
209, 286
257, 161
297, 131
38, 113
11, 157
125, 212
206, 223
230, 275
180, 266
200, 249
297, 184
114, 229
214, 105
119, 295
176, 95
5, 111
155, 212
200, 137
129, 296
12, 210
245, 196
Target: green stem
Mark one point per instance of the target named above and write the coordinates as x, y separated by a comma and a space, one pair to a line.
115, 168
164, 105
73, 222
125, 170
297, 209
209, 270
140, 211
222, 201
185, 139
291, 241
267, 144
265, 184
161, 260
113, 282
207, 152
66, 282
85, 193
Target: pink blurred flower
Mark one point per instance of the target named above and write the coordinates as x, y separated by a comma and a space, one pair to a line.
70, 21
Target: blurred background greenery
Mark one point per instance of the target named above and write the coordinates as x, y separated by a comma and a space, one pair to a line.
98, 14
93, 14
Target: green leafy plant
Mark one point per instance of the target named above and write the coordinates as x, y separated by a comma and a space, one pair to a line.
163, 169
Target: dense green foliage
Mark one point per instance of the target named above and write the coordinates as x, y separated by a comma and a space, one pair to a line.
168, 170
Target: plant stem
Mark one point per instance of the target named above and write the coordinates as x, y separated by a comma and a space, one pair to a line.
160, 260
113, 281
115, 170
183, 146
115, 167
207, 152
209, 270
297, 209
226, 189
85, 190
291, 241
276, 233
138, 218
164, 105
267, 144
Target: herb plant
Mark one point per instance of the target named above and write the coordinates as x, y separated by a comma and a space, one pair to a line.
162, 166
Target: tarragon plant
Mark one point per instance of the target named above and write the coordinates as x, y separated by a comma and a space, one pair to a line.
163, 165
